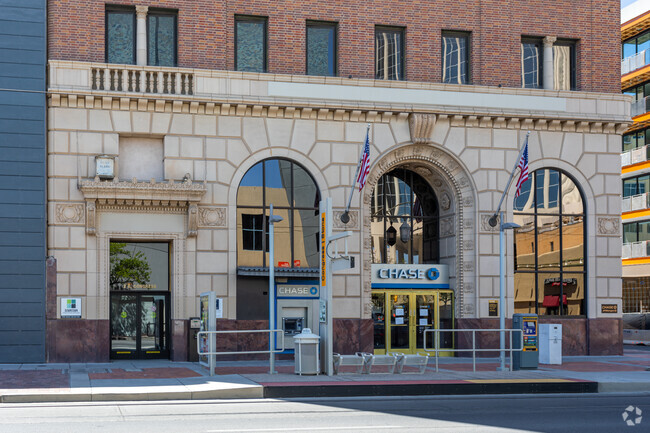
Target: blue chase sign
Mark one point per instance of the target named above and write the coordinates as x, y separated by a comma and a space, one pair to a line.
410, 276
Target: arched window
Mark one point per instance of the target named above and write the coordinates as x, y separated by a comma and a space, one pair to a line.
404, 220
295, 197
550, 271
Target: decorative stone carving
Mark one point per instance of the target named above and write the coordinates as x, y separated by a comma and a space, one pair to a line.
468, 223
212, 216
192, 219
420, 125
468, 244
145, 196
485, 225
468, 288
141, 11
468, 309
446, 226
609, 226
468, 201
463, 182
468, 266
70, 213
353, 223
445, 201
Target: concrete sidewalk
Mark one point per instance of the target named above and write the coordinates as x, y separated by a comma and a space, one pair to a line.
166, 380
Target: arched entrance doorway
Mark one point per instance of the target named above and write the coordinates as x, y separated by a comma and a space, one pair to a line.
410, 288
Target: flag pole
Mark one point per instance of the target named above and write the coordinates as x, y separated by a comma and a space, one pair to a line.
493, 219
345, 216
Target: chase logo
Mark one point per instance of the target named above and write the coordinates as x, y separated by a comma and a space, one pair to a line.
433, 274
313, 290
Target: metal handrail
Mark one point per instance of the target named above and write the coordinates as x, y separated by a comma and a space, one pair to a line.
244, 352
437, 349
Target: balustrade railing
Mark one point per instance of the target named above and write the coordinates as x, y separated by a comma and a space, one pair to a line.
634, 156
635, 62
120, 78
636, 202
636, 249
640, 107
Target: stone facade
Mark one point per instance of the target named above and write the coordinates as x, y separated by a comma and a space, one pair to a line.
183, 138
211, 143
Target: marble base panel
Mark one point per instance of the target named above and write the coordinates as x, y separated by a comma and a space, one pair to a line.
353, 335
580, 337
77, 340
179, 340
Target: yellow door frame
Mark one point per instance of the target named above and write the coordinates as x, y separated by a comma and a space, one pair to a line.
413, 317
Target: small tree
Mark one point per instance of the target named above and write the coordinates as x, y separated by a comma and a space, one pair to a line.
128, 267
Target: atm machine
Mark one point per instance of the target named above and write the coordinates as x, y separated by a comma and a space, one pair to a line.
297, 304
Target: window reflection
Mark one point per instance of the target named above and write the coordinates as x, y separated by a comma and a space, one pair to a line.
549, 246
404, 203
295, 197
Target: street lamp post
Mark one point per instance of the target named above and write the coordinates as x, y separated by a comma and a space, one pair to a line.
502, 288
272, 220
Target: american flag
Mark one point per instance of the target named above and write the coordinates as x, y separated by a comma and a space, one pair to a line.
364, 162
523, 166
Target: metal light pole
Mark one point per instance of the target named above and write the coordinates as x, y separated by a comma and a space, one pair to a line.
502, 288
272, 220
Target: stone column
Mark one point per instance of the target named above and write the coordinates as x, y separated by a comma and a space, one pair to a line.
548, 62
141, 35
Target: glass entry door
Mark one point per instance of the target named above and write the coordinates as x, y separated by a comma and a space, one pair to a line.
401, 316
139, 325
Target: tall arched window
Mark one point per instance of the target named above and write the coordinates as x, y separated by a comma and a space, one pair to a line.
295, 197
404, 220
550, 271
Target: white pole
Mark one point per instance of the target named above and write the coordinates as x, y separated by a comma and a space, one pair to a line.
502, 289
271, 293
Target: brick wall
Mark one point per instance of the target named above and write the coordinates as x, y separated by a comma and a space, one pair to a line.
206, 34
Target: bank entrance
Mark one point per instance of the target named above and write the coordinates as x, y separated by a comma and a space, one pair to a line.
401, 316
139, 300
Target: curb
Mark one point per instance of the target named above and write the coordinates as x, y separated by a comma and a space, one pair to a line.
351, 390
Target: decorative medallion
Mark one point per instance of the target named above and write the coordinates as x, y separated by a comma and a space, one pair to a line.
352, 224
468, 202
468, 223
212, 216
446, 226
445, 201
485, 225
468, 245
609, 226
70, 213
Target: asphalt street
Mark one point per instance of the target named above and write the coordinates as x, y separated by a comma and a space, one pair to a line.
509, 413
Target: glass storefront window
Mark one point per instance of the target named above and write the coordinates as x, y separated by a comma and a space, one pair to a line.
550, 246
295, 197
404, 221
139, 265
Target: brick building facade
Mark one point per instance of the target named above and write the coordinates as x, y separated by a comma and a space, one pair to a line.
449, 92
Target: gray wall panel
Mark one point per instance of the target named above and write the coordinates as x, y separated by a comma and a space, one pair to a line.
22, 180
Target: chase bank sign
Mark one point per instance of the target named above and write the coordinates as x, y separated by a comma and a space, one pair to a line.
410, 276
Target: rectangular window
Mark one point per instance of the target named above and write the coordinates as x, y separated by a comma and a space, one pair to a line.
161, 38
321, 49
120, 36
629, 187
455, 58
635, 45
630, 233
564, 61
389, 53
253, 232
531, 63
250, 44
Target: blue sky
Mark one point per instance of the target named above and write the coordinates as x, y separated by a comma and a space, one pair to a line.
626, 3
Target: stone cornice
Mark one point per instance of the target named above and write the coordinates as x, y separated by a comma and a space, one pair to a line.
231, 93
538, 122
143, 197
